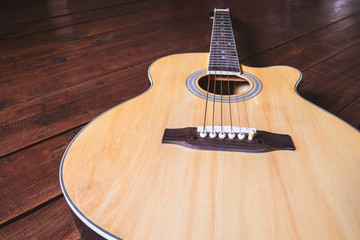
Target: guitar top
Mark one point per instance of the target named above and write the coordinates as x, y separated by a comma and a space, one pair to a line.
216, 150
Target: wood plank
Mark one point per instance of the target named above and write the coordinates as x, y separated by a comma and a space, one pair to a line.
254, 20
84, 13
46, 24
319, 48
49, 42
41, 118
261, 30
53, 221
312, 48
351, 113
31, 174
13, 12
339, 75
38, 44
89, 63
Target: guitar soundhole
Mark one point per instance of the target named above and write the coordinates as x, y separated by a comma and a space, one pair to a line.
224, 85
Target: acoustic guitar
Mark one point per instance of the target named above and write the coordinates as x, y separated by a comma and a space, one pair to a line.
216, 150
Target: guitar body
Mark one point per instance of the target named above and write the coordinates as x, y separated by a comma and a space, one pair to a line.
124, 183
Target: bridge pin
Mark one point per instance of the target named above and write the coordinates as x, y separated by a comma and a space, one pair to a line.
212, 135
222, 135
251, 135
203, 134
231, 135
241, 136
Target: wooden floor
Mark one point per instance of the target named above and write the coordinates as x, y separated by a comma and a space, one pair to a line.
64, 62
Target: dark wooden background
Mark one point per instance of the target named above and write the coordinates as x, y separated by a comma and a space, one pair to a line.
63, 62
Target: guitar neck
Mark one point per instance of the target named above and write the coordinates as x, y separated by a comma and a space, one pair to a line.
223, 55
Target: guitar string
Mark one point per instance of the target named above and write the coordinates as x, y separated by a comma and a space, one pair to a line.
213, 116
206, 103
238, 112
242, 91
227, 62
227, 77
217, 43
223, 55
221, 84
246, 115
230, 103
228, 86
209, 77
221, 45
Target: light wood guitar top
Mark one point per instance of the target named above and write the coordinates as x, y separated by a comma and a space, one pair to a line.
124, 183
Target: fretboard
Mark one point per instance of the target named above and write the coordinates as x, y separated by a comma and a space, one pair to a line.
223, 55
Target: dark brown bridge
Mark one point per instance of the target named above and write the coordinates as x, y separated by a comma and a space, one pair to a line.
262, 141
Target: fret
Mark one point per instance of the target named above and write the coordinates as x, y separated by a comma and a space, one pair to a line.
223, 65
223, 54
227, 54
223, 45
224, 70
222, 36
223, 61
219, 45
223, 27
223, 57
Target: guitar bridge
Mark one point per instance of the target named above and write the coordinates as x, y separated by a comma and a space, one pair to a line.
261, 142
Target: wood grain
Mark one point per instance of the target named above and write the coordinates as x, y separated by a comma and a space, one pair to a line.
53, 221
344, 65
50, 50
37, 183
156, 191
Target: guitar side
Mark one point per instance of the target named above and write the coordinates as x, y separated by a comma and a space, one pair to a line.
124, 183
